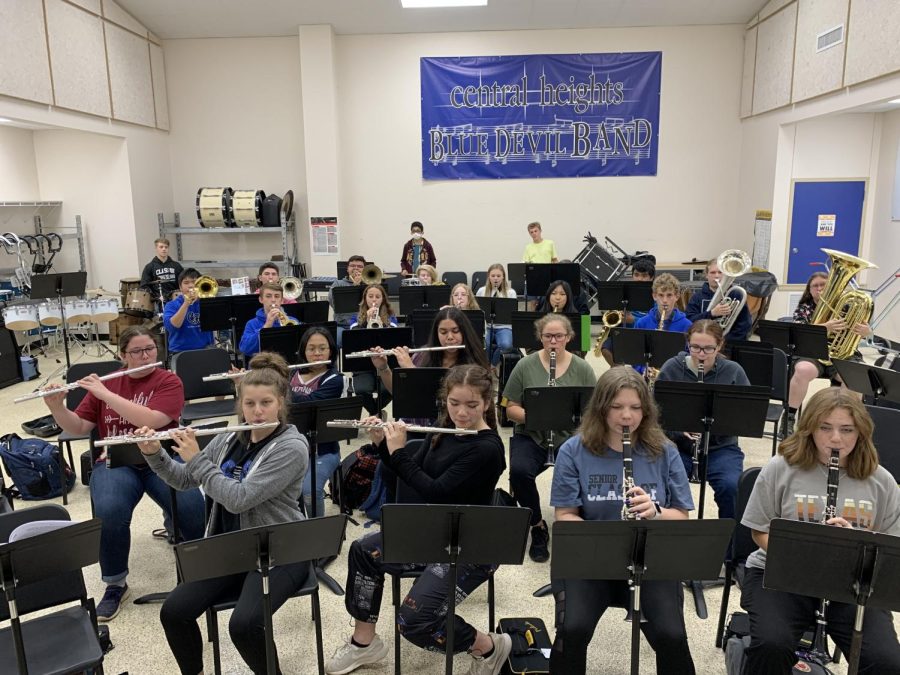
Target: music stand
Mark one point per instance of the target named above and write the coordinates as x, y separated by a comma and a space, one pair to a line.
756, 360
551, 409
308, 312
496, 311
347, 298
870, 380
454, 534
795, 340
228, 312
523, 330
539, 276
516, 275
57, 286
626, 295
415, 392
423, 297
363, 339
863, 569
644, 346
261, 548
636, 551
422, 319
284, 340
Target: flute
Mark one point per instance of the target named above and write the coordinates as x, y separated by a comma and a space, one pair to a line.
167, 434
357, 424
389, 352
241, 373
74, 385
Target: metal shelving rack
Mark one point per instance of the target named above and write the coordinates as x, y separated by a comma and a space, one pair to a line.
287, 231
66, 232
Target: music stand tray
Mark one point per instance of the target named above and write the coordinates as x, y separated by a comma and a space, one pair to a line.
423, 297
869, 380
347, 298
364, 339
415, 392
498, 310
555, 408
756, 360
795, 339
284, 340
539, 276
637, 295
307, 312
57, 286
645, 347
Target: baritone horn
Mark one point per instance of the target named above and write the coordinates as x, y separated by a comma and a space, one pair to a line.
291, 288
732, 263
372, 275
611, 319
207, 287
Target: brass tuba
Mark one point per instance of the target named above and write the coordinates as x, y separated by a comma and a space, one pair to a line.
372, 274
206, 286
291, 288
836, 302
732, 263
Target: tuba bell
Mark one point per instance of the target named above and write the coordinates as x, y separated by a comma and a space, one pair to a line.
732, 263
206, 286
372, 274
291, 288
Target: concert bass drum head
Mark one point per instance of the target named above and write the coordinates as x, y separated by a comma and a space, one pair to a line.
214, 207
247, 208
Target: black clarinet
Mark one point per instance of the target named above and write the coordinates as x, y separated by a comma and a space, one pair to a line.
627, 474
695, 451
551, 452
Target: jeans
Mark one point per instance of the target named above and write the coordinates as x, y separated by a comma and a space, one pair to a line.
778, 620
499, 340
326, 464
723, 469
188, 601
116, 492
581, 602
527, 461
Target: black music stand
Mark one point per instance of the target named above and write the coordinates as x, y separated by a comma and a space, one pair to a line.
870, 380
554, 409
261, 548
57, 286
454, 534
415, 392
422, 320
347, 298
497, 310
626, 295
307, 312
756, 360
363, 339
228, 312
515, 272
523, 330
796, 340
284, 340
645, 347
636, 551
539, 276
863, 569
423, 297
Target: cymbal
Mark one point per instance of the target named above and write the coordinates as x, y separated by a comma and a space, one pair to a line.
101, 291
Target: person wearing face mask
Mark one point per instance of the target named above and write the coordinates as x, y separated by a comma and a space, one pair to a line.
417, 251
726, 459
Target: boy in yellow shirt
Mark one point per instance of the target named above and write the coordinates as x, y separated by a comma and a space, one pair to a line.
540, 250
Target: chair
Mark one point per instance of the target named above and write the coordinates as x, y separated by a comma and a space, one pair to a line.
392, 286
479, 279
73, 398
42, 572
887, 430
192, 366
779, 393
453, 278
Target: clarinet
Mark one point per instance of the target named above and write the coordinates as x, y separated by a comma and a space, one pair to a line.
627, 474
551, 455
695, 466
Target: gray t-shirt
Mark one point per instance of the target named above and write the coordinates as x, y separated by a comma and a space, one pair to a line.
593, 483
784, 491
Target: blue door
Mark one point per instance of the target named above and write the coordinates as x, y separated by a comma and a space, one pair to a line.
825, 214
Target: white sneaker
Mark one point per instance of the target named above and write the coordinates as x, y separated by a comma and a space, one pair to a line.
349, 657
493, 664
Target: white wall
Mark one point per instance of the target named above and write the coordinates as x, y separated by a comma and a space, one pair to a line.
686, 210
18, 174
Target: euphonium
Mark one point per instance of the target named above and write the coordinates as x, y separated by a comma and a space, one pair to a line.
291, 288
836, 302
732, 263
372, 274
611, 319
206, 286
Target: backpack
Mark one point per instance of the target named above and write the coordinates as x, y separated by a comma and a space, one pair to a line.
377, 496
33, 466
737, 640
358, 471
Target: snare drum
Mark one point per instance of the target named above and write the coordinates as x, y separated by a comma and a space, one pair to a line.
49, 314
21, 317
78, 311
214, 207
139, 303
246, 208
104, 310
127, 285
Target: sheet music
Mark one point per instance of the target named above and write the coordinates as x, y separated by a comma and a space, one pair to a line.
762, 239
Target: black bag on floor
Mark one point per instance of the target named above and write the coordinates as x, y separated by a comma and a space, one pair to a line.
737, 640
33, 465
529, 637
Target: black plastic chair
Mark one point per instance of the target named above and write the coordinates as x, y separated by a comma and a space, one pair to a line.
453, 278
73, 398
779, 393
887, 431
192, 366
479, 279
41, 572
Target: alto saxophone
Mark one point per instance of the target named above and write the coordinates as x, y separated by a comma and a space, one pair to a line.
627, 474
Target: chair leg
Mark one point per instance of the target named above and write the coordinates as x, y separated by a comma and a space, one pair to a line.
62, 478
723, 608
320, 650
212, 633
491, 603
775, 437
395, 586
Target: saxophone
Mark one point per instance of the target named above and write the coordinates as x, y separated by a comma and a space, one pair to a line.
651, 373
627, 474
611, 319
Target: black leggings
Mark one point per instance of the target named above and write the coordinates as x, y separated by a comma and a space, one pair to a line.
527, 461
581, 602
778, 620
188, 601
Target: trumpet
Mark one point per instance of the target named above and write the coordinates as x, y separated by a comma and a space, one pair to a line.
206, 287
167, 434
291, 288
358, 424
75, 385
240, 373
611, 319
387, 352
286, 320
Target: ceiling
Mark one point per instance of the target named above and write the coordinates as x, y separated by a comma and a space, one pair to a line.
254, 18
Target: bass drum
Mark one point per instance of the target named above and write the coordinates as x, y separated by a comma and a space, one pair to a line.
247, 208
214, 207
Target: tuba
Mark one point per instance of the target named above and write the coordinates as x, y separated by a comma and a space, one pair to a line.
836, 302
207, 287
291, 288
611, 319
733, 263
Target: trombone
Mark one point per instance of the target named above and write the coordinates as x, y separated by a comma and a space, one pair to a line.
206, 287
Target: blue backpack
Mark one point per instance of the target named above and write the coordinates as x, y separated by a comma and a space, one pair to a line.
33, 466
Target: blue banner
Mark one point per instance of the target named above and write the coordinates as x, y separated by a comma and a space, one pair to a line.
540, 116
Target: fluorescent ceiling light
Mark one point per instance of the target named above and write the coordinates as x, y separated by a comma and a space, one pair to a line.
416, 4
5, 120
895, 101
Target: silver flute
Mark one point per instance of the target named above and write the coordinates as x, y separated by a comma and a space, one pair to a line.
388, 352
358, 424
74, 385
241, 373
167, 434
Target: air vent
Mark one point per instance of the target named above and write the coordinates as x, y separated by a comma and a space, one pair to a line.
830, 38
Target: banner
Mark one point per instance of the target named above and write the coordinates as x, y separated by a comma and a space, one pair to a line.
540, 116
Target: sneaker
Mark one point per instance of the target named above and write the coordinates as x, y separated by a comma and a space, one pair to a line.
493, 664
349, 657
112, 602
539, 551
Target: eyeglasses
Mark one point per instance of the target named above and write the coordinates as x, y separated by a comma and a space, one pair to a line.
706, 349
319, 349
553, 337
142, 351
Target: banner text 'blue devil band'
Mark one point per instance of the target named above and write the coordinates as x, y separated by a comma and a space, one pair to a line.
540, 116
